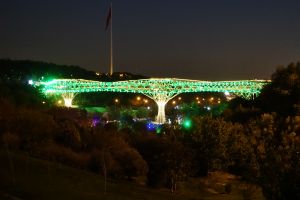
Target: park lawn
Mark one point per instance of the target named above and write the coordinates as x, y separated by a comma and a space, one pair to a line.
25, 177
95, 109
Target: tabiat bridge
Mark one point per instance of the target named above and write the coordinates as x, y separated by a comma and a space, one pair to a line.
161, 90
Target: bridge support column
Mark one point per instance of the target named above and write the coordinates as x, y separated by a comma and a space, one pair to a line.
161, 99
161, 116
68, 98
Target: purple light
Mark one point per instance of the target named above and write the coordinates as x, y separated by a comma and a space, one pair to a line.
96, 120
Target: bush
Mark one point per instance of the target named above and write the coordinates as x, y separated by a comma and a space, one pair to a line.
10, 140
64, 155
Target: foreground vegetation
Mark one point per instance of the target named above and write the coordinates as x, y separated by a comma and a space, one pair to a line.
256, 140
25, 177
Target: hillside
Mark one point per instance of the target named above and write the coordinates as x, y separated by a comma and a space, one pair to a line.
24, 70
24, 177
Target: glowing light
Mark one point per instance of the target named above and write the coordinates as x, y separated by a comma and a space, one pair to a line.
154, 127
161, 90
43, 102
158, 130
59, 102
161, 116
187, 123
148, 107
146, 100
138, 98
179, 98
197, 98
173, 102
68, 102
198, 102
95, 121
116, 100
208, 108
226, 93
150, 127
68, 98
30, 82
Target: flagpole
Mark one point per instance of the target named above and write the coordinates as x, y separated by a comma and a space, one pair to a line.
111, 42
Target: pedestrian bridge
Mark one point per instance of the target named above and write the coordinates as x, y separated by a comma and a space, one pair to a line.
161, 90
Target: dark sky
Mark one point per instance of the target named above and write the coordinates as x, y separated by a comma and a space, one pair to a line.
196, 39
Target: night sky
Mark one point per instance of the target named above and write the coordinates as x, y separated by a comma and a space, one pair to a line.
208, 40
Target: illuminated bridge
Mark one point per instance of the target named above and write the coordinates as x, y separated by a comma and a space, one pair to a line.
161, 90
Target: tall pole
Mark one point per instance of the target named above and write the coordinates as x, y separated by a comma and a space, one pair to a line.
111, 42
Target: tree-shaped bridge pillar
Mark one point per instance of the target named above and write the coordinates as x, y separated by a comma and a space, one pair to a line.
68, 98
161, 116
161, 99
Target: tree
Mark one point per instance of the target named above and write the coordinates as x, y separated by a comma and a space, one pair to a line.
282, 95
168, 159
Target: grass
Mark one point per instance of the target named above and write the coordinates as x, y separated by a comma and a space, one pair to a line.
24, 177
95, 109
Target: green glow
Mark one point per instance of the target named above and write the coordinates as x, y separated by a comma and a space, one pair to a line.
161, 90
187, 124
158, 130
165, 86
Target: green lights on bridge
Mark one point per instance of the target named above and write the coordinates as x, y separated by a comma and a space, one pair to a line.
161, 90
169, 87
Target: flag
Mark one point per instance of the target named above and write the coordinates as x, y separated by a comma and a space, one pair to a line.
108, 18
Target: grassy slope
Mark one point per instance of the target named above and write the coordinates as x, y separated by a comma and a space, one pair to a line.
43, 180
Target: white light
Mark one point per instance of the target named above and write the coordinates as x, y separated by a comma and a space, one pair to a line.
161, 117
30, 82
68, 102
226, 93
208, 108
